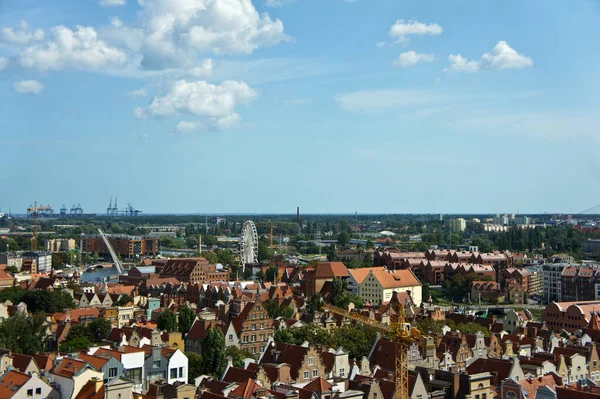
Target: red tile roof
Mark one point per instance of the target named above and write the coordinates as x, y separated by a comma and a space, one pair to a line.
9, 381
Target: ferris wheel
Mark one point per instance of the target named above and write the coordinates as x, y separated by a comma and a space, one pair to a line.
249, 244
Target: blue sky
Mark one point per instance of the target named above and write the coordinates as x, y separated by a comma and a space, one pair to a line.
335, 106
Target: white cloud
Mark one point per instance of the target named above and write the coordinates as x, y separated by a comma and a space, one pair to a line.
175, 31
21, 35
402, 29
411, 58
28, 87
505, 57
461, 64
202, 99
112, 3
3, 63
80, 49
227, 122
140, 113
139, 93
380, 44
203, 69
186, 127
501, 57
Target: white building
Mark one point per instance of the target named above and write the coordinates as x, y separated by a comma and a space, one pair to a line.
458, 224
43, 259
20, 385
552, 281
377, 284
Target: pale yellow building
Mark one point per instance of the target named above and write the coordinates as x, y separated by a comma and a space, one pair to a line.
377, 284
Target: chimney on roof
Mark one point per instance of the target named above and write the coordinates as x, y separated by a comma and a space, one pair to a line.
97, 383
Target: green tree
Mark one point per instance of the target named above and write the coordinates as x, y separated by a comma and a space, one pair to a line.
194, 365
75, 344
340, 287
330, 251
343, 238
211, 257
225, 256
24, 334
261, 275
348, 298
214, 353
283, 335
124, 299
186, 319
313, 304
272, 273
12, 269
98, 330
167, 321
264, 252
238, 356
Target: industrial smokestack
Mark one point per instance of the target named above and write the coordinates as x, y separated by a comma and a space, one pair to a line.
298, 214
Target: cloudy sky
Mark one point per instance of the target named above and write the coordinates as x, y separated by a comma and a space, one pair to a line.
331, 105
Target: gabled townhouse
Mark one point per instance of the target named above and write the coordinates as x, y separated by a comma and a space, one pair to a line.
337, 364
197, 333
305, 361
132, 360
110, 366
164, 363
116, 388
14, 384
254, 327
25, 364
70, 375
541, 387
514, 319
500, 369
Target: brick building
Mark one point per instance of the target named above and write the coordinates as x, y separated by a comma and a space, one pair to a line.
124, 245
193, 270
254, 327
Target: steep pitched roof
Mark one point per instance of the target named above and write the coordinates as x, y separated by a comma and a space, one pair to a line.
318, 385
331, 270
88, 391
236, 374
96, 361
21, 362
247, 389
11, 382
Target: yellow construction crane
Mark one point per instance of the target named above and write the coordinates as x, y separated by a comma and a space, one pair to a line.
33, 210
402, 333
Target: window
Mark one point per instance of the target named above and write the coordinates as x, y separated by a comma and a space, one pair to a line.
180, 372
156, 364
262, 326
253, 327
306, 375
38, 391
342, 372
135, 375
311, 361
315, 373
30, 392
245, 339
112, 372
173, 373
230, 337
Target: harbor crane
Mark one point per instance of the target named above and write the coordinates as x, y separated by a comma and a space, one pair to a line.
402, 334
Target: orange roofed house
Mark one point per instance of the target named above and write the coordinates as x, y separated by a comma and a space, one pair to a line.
377, 284
316, 277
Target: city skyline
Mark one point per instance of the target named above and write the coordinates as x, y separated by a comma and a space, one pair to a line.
201, 106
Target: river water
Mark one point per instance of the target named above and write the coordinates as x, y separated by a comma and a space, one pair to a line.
98, 275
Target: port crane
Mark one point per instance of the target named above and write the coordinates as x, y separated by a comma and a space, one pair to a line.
402, 333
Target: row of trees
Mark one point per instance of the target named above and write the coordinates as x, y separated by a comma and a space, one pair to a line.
181, 322
39, 301
356, 339
81, 337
